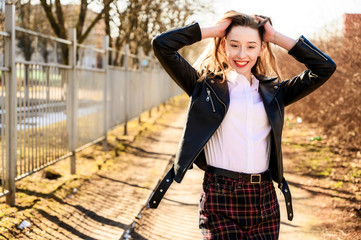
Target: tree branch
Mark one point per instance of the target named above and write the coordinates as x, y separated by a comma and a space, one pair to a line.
81, 19
61, 22
49, 14
95, 20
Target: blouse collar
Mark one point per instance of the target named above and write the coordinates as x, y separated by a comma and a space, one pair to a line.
238, 78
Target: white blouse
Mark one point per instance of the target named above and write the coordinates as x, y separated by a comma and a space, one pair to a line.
242, 141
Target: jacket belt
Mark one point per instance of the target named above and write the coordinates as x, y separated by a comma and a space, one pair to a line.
161, 189
288, 200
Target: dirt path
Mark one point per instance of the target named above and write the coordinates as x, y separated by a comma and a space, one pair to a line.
177, 215
105, 203
321, 210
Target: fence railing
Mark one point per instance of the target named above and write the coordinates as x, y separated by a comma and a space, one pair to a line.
49, 110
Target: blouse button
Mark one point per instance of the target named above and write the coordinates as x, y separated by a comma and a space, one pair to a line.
275, 87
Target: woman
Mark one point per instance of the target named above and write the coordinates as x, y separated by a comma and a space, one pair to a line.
235, 119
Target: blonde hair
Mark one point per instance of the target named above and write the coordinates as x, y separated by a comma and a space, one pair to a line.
213, 59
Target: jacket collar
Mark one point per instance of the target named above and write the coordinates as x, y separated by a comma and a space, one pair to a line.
268, 87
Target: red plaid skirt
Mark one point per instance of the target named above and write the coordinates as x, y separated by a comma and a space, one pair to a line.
231, 209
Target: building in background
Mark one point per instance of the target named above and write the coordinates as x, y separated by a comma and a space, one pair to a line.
351, 25
347, 25
50, 53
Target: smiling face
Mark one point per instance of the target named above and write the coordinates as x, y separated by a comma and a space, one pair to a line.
242, 47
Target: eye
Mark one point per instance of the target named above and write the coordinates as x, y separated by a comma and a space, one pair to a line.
234, 45
251, 47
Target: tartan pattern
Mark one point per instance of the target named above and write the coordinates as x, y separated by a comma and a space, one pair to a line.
230, 209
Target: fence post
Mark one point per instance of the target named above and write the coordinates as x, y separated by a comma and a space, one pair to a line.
149, 73
72, 101
10, 105
126, 95
141, 72
106, 84
151, 66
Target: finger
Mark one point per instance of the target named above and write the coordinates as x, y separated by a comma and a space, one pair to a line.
260, 18
226, 22
263, 20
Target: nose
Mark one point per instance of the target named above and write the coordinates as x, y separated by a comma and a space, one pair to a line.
241, 52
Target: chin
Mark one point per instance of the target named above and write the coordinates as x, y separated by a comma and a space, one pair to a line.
242, 72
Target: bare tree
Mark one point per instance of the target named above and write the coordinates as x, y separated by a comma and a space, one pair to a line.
336, 106
55, 15
25, 21
25, 41
141, 20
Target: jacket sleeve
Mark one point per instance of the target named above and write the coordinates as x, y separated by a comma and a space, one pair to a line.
320, 67
166, 46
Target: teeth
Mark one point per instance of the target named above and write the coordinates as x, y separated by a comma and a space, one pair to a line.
241, 63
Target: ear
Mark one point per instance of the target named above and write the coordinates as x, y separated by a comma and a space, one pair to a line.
223, 44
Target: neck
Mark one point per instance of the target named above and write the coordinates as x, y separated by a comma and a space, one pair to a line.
248, 76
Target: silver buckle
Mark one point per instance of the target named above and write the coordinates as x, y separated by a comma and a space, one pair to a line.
256, 175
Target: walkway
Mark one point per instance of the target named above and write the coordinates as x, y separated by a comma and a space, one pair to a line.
177, 215
108, 204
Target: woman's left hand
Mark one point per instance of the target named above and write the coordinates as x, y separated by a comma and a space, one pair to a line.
272, 36
270, 33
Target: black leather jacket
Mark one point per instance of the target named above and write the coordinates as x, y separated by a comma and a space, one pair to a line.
204, 117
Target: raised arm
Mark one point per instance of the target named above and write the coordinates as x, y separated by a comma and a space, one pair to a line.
166, 46
320, 67
272, 36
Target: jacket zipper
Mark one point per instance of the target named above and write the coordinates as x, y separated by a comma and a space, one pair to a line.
279, 108
312, 48
225, 107
279, 162
209, 98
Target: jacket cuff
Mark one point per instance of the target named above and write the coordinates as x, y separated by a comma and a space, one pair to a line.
303, 46
195, 29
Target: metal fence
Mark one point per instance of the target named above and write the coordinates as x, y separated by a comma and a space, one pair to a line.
49, 110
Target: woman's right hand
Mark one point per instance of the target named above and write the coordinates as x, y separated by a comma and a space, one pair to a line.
222, 26
218, 30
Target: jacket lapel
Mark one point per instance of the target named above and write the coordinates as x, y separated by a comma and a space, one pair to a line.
268, 89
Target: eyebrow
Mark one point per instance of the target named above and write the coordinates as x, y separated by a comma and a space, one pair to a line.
247, 42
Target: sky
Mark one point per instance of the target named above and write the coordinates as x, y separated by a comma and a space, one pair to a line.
290, 17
